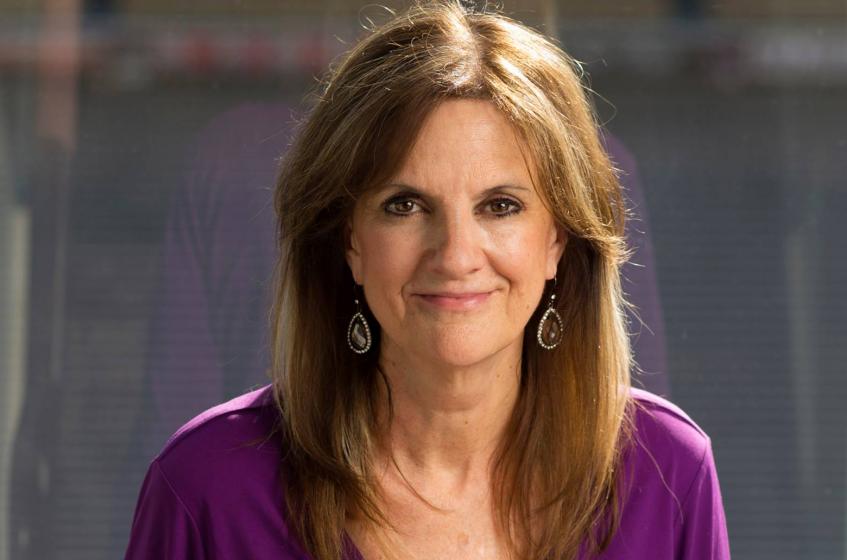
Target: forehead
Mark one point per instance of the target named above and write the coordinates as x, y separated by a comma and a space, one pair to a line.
467, 141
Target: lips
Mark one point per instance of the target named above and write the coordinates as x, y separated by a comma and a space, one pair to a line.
455, 300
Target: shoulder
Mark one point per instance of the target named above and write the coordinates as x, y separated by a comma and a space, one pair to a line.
665, 424
671, 502
669, 450
224, 448
245, 414
215, 487
242, 420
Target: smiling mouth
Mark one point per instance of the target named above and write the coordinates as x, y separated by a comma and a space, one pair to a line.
457, 302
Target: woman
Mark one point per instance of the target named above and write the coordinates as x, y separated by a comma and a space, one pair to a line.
451, 363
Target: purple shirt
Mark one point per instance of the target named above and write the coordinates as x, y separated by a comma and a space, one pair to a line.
213, 493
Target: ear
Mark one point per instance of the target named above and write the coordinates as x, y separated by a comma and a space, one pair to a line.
351, 251
556, 242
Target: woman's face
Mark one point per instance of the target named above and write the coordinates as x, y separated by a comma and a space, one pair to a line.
454, 251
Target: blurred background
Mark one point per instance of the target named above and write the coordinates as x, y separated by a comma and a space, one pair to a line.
138, 146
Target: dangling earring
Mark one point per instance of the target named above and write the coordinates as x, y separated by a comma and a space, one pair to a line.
358, 332
550, 327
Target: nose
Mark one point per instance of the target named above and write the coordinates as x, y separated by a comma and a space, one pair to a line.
458, 244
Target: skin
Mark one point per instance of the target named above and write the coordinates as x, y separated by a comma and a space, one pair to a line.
454, 373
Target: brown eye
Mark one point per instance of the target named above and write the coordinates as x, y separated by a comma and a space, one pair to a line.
400, 206
504, 207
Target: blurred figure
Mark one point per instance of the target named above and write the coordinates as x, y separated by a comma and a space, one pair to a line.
208, 331
639, 279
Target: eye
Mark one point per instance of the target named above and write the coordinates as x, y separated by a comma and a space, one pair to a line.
399, 206
503, 207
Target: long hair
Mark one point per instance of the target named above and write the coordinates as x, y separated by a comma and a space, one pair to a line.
559, 490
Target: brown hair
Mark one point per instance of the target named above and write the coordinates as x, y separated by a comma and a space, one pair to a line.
560, 489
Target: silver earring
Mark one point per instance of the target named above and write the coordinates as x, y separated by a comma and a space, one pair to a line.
358, 332
550, 328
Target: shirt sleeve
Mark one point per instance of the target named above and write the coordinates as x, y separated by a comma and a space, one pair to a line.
704, 535
162, 526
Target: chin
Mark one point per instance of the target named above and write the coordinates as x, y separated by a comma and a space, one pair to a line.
458, 349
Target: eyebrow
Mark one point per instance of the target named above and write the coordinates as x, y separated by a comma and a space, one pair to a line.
409, 189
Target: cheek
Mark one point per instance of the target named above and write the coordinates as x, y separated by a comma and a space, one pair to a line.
523, 252
386, 259
521, 259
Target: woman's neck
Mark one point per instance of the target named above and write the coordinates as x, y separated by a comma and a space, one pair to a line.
447, 420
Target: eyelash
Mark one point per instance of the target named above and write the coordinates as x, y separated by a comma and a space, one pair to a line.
516, 206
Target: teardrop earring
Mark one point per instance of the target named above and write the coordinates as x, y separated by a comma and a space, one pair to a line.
550, 327
358, 332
